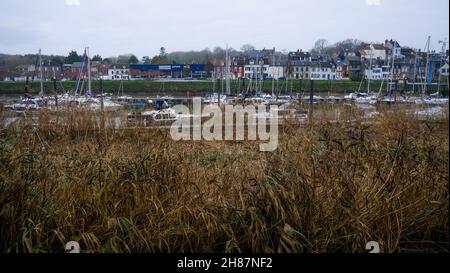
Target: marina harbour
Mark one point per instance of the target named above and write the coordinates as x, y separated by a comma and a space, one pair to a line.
224, 133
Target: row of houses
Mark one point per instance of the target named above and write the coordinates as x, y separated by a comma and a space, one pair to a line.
295, 65
60, 72
372, 61
107, 71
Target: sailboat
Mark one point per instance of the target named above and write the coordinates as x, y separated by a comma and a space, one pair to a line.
359, 96
215, 97
28, 102
87, 100
433, 99
228, 97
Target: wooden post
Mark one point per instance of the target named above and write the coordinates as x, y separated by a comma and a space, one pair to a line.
102, 113
54, 85
311, 101
405, 85
311, 92
55, 91
26, 93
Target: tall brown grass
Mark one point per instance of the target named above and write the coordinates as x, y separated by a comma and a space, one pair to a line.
329, 187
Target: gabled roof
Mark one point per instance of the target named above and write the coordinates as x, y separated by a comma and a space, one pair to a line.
353, 58
301, 63
77, 64
320, 57
299, 54
391, 43
338, 62
322, 64
259, 53
378, 47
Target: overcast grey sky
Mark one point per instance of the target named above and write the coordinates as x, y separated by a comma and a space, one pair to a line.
113, 27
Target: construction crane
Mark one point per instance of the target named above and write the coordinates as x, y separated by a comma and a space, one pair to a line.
444, 45
433, 59
443, 60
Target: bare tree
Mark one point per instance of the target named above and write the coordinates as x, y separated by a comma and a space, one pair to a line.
247, 47
320, 45
162, 52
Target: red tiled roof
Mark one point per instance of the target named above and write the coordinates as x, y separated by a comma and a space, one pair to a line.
378, 47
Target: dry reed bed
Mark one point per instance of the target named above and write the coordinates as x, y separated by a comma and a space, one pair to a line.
330, 187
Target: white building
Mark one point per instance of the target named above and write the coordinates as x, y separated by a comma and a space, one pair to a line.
253, 71
301, 71
276, 72
444, 70
374, 73
394, 48
323, 71
119, 73
374, 51
378, 73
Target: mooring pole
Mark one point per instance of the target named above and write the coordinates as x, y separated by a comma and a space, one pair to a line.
395, 90
405, 86
55, 91
27, 93
101, 92
102, 113
101, 86
311, 101
54, 85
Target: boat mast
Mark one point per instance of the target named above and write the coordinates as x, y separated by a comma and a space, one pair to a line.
214, 81
257, 74
286, 80
261, 78
227, 75
444, 47
415, 71
89, 72
41, 93
391, 79
273, 75
371, 71
427, 48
